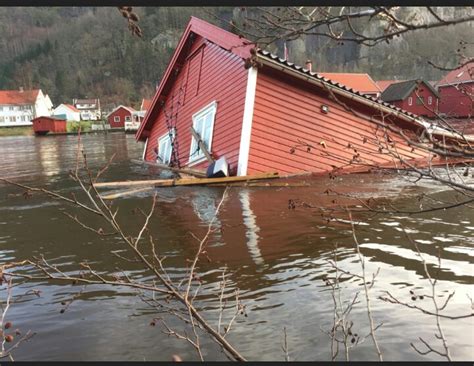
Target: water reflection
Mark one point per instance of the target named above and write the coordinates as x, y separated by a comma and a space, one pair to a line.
277, 257
253, 230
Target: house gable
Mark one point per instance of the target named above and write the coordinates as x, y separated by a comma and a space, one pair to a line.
196, 29
402, 90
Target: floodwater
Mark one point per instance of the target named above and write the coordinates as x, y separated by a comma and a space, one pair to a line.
277, 257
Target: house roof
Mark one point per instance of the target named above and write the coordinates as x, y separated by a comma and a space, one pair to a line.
227, 40
464, 74
146, 103
356, 81
384, 84
69, 106
86, 101
377, 103
13, 97
400, 91
130, 109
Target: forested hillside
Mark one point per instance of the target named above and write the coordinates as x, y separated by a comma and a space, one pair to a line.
72, 52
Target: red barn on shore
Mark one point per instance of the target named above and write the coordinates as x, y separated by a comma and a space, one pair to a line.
264, 113
119, 116
43, 125
456, 92
415, 96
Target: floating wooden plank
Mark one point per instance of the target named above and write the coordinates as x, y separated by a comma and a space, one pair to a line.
185, 182
194, 172
201, 145
126, 193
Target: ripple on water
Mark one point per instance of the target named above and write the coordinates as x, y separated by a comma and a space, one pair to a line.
458, 268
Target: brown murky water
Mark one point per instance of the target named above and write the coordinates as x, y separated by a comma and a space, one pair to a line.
278, 258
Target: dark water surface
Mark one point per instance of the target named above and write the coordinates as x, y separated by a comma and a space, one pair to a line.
278, 259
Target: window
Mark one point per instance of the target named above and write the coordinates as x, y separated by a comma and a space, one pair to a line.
12, 118
117, 119
2, 119
430, 100
419, 101
12, 108
410, 101
203, 123
127, 119
165, 148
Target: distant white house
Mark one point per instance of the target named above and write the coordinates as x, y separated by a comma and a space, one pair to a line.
138, 116
67, 111
19, 107
88, 108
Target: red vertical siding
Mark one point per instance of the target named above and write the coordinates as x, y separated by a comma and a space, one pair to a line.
210, 74
122, 113
288, 112
46, 124
457, 101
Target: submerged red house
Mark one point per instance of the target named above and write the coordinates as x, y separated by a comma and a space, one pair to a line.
416, 96
44, 124
456, 92
119, 116
264, 113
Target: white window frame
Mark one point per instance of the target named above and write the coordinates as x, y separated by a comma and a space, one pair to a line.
430, 100
162, 139
210, 108
128, 119
116, 119
410, 101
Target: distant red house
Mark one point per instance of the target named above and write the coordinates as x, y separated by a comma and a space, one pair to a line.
264, 113
119, 116
146, 103
456, 92
415, 96
361, 82
384, 84
43, 125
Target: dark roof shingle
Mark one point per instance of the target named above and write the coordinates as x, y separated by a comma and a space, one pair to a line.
400, 91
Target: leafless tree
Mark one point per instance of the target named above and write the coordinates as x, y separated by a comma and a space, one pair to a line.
166, 294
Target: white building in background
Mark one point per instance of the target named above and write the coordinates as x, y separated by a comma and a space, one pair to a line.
88, 108
19, 107
68, 112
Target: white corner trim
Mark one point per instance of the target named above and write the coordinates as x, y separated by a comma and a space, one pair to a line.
144, 150
247, 122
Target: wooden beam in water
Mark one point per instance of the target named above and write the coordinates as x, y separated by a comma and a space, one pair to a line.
126, 193
185, 182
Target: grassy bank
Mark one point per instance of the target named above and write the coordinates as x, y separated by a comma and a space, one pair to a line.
74, 126
16, 131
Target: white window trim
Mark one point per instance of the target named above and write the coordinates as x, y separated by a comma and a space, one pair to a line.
116, 118
430, 100
210, 107
410, 101
163, 137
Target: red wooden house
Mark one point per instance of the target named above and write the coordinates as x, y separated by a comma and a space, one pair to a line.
43, 125
119, 116
264, 113
456, 92
415, 96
